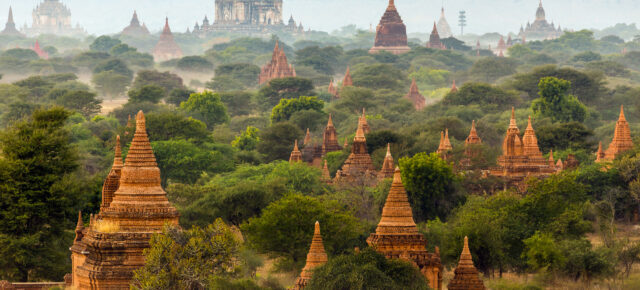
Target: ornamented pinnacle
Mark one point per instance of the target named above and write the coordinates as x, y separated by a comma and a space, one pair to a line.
347, 81
307, 138
117, 159
454, 88
473, 135
362, 121
79, 228
466, 275
530, 141
621, 138
315, 258
397, 217
388, 168
296, 155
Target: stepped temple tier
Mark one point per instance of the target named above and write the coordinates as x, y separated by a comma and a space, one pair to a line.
134, 207
521, 157
52, 17
358, 165
278, 67
315, 258
621, 140
397, 235
167, 48
466, 275
540, 29
391, 33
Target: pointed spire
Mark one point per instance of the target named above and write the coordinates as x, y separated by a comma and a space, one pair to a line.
466, 275
167, 29
315, 258
397, 217
551, 160
414, 96
347, 81
326, 176
296, 155
621, 138
622, 117
392, 5
359, 134
512, 122
530, 141
10, 18
307, 138
79, 228
117, 159
330, 122
600, 155
346, 142
454, 88
388, 168
447, 143
473, 135
362, 121
388, 150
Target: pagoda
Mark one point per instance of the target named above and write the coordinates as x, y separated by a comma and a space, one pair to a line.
347, 81
502, 46
362, 121
315, 258
466, 275
470, 149
326, 175
415, 97
167, 48
332, 90
278, 67
454, 88
52, 17
106, 254
134, 28
391, 33
540, 29
600, 155
388, 168
112, 182
330, 138
10, 27
443, 26
296, 155
434, 39
445, 145
621, 138
359, 163
397, 235
41, 53
521, 157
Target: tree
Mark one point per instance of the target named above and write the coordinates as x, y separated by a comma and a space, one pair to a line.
486, 95
380, 76
104, 43
285, 88
189, 259
114, 65
148, 93
287, 107
194, 63
237, 102
562, 136
110, 83
89, 59
177, 96
276, 142
207, 107
587, 86
248, 140
285, 228
82, 101
245, 73
121, 49
323, 59
367, 269
224, 83
430, 184
556, 103
183, 161
21, 54
165, 80
489, 69
165, 126
39, 197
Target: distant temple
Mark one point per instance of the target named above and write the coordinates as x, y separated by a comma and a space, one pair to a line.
391, 33
41, 53
10, 27
358, 165
540, 29
134, 207
166, 48
397, 235
134, 28
52, 17
466, 275
278, 67
434, 39
521, 157
388, 167
415, 97
443, 26
315, 258
313, 153
296, 155
445, 145
621, 140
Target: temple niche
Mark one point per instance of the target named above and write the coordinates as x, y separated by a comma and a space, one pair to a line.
166, 48
391, 33
134, 207
397, 235
278, 67
540, 29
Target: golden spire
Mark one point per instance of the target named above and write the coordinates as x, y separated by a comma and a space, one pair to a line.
388, 168
296, 155
600, 155
447, 143
551, 161
466, 275
307, 138
117, 159
530, 141
512, 122
388, 150
622, 117
397, 217
79, 228
325, 172
316, 256
330, 122
473, 135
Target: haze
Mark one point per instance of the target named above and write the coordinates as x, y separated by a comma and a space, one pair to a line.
110, 16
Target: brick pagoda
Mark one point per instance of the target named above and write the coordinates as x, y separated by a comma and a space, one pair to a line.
445, 145
397, 235
278, 67
166, 48
621, 138
359, 163
388, 167
315, 258
391, 33
296, 155
415, 97
466, 275
434, 39
135, 28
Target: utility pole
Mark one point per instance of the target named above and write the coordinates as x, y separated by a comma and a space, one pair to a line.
462, 21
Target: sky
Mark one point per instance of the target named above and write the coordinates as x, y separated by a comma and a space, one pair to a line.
110, 16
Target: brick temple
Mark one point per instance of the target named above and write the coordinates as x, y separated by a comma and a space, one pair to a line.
315, 258
621, 140
415, 97
391, 33
278, 67
466, 275
166, 48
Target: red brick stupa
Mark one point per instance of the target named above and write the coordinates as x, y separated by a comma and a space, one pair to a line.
415, 97
347, 81
278, 67
106, 254
397, 235
330, 138
434, 39
315, 258
296, 155
388, 167
10, 27
359, 164
466, 275
135, 28
391, 33
167, 48
621, 138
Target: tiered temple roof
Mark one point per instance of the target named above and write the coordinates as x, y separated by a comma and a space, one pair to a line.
10, 27
415, 97
470, 151
466, 275
434, 39
278, 67
621, 138
397, 235
296, 155
315, 258
112, 182
540, 29
166, 48
391, 33
135, 28
473, 135
388, 167
359, 163
113, 245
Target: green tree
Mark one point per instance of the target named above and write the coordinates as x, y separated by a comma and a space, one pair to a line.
189, 259
367, 270
248, 140
20, 53
556, 103
489, 69
486, 95
183, 161
81, 101
207, 107
177, 96
562, 136
165, 80
224, 83
285, 228
323, 59
148, 93
380, 76
39, 196
287, 107
89, 59
588, 86
245, 73
276, 142
237, 102
430, 184
165, 126
285, 88
194, 63
104, 43
110, 83
114, 65
121, 49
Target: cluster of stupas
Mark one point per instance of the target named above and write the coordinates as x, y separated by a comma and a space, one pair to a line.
166, 48
134, 207
397, 237
347, 81
278, 67
135, 28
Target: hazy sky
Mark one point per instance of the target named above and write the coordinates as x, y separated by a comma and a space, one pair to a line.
110, 16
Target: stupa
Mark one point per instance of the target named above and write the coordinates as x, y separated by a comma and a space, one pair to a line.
434, 39
454, 88
621, 138
347, 81
166, 48
359, 163
330, 138
466, 275
134, 28
443, 26
397, 235
326, 175
445, 145
278, 67
388, 167
415, 97
332, 89
391, 33
296, 155
540, 29
315, 258
106, 253
10, 27
362, 121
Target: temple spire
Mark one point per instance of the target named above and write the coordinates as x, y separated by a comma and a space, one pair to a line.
79, 227
315, 258
388, 166
466, 275
296, 155
10, 18
530, 141
454, 88
414, 96
307, 138
512, 122
347, 81
362, 121
621, 138
117, 159
397, 216
473, 135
